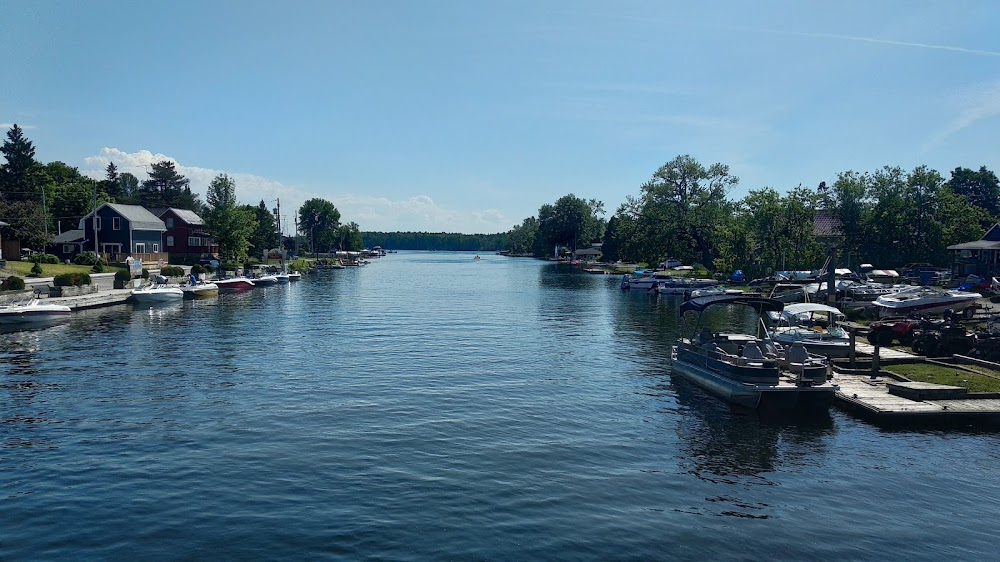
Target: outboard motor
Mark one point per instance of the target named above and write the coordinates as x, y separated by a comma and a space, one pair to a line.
625, 281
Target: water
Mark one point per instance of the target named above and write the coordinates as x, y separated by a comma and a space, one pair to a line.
430, 406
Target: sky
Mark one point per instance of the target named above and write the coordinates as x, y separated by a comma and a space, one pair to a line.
467, 116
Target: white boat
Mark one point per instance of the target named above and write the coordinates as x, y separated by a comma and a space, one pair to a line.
265, 280
750, 370
283, 278
813, 324
32, 312
926, 300
644, 280
294, 276
714, 290
157, 293
200, 290
683, 285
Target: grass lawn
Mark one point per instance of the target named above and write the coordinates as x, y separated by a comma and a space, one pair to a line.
23, 269
952, 377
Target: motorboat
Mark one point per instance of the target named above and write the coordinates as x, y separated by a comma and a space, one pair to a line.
683, 285
813, 324
157, 293
294, 276
234, 284
926, 300
644, 280
711, 291
200, 290
750, 370
32, 312
265, 280
282, 278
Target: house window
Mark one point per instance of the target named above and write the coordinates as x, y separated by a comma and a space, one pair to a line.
116, 223
140, 247
170, 222
194, 241
156, 247
99, 223
67, 248
170, 241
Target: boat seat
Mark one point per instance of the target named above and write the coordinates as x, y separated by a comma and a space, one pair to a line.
751, 355
797, 357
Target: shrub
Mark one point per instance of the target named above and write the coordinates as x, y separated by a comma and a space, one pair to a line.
145, 273
85, 258
299, 265
49, 258
171, 271
71, 279
36, 270
12, 283
230, 266
197, 269
123, 275
98, 267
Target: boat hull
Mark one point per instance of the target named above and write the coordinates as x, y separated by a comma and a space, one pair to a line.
32, 317
783, 396
201, 291
233, 285
164, 296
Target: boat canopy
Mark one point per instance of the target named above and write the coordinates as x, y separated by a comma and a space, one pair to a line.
803, 307
760, 304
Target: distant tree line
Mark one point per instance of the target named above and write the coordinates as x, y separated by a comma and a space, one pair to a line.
442, 241
887, 217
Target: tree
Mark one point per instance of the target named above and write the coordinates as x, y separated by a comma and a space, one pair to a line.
571, 222
610, 247
684, 208
69, 194
348, 237
265, 236
230, 224
521, 238
319, 219
166, 187
112, 182
981, 189
128, 188
17, 174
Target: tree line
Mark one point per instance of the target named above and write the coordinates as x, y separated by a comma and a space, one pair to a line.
440, 241
40, 200
886, 217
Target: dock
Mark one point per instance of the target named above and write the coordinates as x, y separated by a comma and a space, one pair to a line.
104, 297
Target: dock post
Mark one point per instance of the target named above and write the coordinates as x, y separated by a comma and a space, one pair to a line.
875, 362
852, 354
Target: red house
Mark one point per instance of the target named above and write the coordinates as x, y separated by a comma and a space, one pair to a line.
186, 240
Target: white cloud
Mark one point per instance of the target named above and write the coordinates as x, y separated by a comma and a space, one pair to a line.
418, 213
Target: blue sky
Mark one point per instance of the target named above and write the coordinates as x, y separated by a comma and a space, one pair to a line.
466, 116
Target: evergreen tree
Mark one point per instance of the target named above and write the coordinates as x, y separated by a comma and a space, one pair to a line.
16, 175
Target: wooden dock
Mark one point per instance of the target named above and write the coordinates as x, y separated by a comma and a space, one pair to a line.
885, 397
104, 297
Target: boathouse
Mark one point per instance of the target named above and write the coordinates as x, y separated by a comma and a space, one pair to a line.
979, 257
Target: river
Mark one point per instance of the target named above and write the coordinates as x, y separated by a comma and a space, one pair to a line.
432, 406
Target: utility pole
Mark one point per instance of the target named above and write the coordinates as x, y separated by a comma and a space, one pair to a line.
97, 250
295, 235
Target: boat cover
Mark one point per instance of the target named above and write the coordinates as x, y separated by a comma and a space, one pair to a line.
799, 308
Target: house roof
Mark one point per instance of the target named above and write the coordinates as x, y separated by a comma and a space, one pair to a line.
68, 236
825, 224
185, 215
976, 245
139, 217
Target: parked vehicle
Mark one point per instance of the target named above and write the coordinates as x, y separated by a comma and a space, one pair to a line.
885, 332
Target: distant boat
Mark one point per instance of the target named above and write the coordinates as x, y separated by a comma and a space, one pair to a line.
157, 293
234, 284
477, 257
200, 290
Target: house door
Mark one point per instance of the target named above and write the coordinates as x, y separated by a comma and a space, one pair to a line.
112, 250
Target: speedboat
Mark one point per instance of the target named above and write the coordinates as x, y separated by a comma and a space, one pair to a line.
200, 290
294, 276
683, 285
265, 280
714, 290
282, 278
234, 284
32, 312
926, 300
750, 370
813, 324
157, 293
644, 280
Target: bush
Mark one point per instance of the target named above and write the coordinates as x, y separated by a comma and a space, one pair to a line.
123, 275
145, 273
85, 258
171, 271
36, 270
197, 269
299, 265
98, 267
71, 279
230, 266
12, 283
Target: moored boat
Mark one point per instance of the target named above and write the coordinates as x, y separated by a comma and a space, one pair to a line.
750, 370
200, 290
926, 300
813, 324
294, 276
234, 284
32, 312
157, 293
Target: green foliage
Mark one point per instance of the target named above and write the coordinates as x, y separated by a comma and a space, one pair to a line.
231, 225
85, 258
12, 283
166, 187
265, 236
123, 275
45, 258
441, 241
572, 222
18, 181
98, 267
171, 271
36, 270
71, 279
980, 189
145, 273
319, 219
197, 269
347, 237
299, 265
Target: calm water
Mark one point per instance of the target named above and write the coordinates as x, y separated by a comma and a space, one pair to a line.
430, 406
